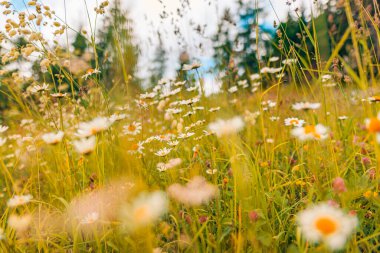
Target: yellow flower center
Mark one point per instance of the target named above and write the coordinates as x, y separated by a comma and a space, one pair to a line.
131, 128
94, 131
374, 125
294, 121
326, 225
312, 130
140, 213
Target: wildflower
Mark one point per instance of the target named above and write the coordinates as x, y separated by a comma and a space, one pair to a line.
19, 223
173, 143
90, 218
227, 127
373, 99
233, 89
289, 61
196, 192
39, 88
90, 72
192, 66
172, 163
211, 171
190, 89
367, 194
93, 127
242, 83
85, 146
251, 117
253, 216
163, 152
185, 135
311, 132
305, 106
274, 118
53, 138
117, 117
327, 224
274, 59
2, 141
339, 185
144, 210
148, 95
132, 129
3, 128
214, 109
342, 117
19, 200
373, 126
294, 122
59, 95
180, 83
255, 76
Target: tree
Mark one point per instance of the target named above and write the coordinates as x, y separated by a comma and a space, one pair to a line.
159, 62
116, 52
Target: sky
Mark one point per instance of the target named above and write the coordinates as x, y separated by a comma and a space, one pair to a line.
147, 21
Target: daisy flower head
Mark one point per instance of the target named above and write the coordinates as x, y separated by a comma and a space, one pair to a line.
132, 129
163, 152
90, 218
58, 95
327, 224
304, 106
196, 192
294, 122
188, 67
310, 132
233, 89
289, 61
53, 138
85, 146
274, 59
19, 200
39, 88
94, 126
227, 127
255, 76
144, 210
90, 72
3, 128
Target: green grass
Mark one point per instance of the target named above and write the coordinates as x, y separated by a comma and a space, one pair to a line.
264, 175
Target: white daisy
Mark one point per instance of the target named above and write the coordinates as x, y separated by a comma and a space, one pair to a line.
294, 122
227, 127
132, 129
144, 210
311, 132
3, 128
305, 106
327, 224
85, 146
90, 218
94, 126
18, 200
163, 152
53, 138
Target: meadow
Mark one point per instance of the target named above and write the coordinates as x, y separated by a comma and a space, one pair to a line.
285, 160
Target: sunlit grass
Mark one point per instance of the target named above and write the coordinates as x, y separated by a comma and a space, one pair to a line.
88, 168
